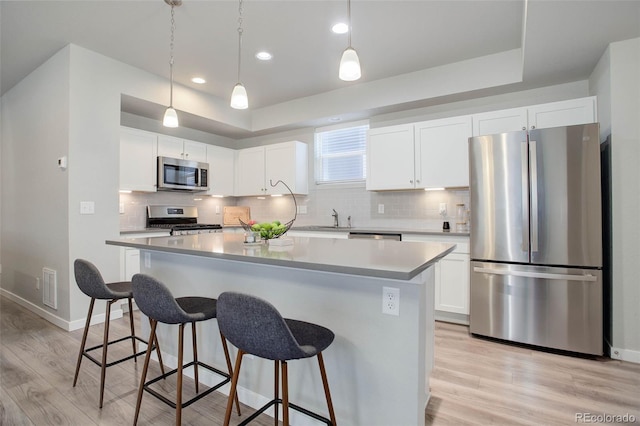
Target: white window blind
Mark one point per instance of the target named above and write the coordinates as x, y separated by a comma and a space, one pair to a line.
340, 154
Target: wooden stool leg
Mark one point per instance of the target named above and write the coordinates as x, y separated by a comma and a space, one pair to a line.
195, 354
285, 394
276, 389
84, 341
229, 368
143, 378
105, 345
155, 341
234, 385
325, 384
133, 331
180, 367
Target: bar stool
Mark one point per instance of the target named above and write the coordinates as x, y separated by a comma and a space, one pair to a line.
256, 327
92, 284
156, 301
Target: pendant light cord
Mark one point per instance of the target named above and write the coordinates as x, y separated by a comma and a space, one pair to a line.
349, 19
239, 38
173, 28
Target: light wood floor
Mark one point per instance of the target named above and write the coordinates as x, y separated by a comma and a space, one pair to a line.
475, 382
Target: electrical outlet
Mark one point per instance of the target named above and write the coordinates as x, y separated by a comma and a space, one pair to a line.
217, 209
443, 209
391, 301
381, 208
37, 283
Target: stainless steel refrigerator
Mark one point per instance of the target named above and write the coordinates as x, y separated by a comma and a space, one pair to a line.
536, 237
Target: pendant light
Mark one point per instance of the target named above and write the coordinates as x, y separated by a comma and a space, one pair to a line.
239, 99
170, 115
349, 64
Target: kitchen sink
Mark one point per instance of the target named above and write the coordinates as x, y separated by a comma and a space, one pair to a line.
338, 228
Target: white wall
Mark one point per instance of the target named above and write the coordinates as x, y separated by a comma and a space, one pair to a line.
35, 132
625, 149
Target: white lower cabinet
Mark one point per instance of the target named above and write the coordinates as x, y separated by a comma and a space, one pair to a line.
451, 277
130, 264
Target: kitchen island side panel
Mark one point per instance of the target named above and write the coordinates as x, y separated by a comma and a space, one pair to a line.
378, 365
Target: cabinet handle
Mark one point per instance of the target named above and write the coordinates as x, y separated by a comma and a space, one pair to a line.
533, 127
410, 181
417, 180
524, 128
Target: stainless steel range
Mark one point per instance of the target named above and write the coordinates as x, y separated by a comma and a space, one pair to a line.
181, 220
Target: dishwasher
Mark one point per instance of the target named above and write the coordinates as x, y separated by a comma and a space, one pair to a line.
375, 236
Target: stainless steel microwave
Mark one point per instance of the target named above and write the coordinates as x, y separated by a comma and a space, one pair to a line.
182, 175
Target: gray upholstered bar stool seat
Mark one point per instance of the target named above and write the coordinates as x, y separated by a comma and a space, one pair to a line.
256, 327
156, 301
92, 284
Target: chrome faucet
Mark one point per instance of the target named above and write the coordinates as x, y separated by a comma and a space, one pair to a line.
335, 218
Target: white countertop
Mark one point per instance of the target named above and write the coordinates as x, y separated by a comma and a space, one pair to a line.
377, 258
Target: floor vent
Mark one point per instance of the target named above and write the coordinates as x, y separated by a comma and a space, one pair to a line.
49, 288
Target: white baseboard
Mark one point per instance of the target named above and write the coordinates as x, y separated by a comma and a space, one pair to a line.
625, 355
54, 319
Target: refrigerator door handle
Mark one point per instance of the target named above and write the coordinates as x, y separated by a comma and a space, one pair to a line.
534, 195
529, 274
525, 196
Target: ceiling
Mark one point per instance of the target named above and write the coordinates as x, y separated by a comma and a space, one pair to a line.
563, 40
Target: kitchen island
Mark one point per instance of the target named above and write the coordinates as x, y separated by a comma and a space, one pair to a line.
378, 365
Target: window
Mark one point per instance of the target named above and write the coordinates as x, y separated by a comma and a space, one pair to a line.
340, 154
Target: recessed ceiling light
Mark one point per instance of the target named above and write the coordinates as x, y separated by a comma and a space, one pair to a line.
264, 56
340, 28
198, 80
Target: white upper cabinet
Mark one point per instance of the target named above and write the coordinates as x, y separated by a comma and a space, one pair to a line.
390, 158
169, 146
565, 113
421, 155
506, 120
138, 153
257, 167
221, 170
442, 152
553, 114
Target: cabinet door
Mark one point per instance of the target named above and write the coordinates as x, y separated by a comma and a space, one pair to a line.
565, 113
452, 284
138, 164
168, 146
131, 263
506, 120
286, 162
195, 151
250, 172
390, 158
442, 152
221, 170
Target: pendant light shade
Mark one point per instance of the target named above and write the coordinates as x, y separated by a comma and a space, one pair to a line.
239, 99
349, 65
170, 118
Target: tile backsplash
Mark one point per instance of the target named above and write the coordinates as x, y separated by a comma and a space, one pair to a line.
402, 209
